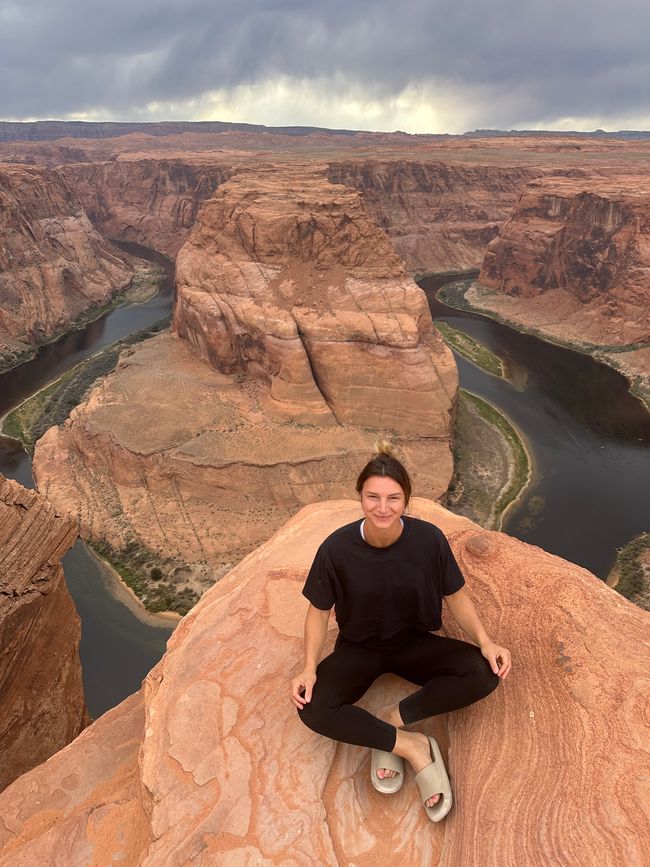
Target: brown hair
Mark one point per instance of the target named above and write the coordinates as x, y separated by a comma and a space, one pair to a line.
385, 463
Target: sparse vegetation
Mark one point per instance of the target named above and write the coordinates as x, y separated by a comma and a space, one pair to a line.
471, 349
490, 461
53, 404
629, 567
140, 570
453, 295
142, 286
521, 468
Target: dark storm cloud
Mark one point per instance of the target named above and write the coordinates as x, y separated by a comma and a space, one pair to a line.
529, 61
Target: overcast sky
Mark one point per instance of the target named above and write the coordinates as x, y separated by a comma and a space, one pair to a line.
415, 65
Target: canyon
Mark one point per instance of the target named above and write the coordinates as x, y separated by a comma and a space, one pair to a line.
573, 261
298, 339
440, 200
252, 785
42, 706
54, 265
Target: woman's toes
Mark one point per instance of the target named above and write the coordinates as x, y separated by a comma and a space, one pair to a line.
433, 800
385, 773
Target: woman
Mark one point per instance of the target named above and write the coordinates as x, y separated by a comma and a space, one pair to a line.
386, 576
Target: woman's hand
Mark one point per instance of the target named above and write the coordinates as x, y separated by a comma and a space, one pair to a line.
498, 657
305, 681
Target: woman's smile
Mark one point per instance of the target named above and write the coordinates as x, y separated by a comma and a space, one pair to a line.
383, 503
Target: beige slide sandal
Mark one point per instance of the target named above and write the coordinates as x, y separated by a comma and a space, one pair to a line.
391, 762
433, 780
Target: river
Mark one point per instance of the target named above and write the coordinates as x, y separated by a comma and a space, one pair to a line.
587, 435
117, 647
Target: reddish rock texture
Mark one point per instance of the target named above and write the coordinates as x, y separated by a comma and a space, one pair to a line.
221, 771
286, 277
439, 216
575, 257
42, 706
152, 202
53, 263
302, 340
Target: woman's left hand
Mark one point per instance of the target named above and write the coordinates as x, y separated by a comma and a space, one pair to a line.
498, 657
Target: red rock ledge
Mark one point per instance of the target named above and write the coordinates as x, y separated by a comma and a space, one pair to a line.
209, 764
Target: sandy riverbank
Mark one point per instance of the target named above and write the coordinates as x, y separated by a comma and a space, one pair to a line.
632, 362
490, 456
125, 595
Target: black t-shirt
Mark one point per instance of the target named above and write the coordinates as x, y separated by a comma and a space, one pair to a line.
378, 592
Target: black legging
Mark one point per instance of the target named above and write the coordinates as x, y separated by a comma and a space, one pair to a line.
451, 673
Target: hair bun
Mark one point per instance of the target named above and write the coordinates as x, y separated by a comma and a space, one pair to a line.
385, 447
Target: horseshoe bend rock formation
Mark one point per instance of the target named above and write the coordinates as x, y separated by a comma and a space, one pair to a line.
152, 201
209, 763
42, 706
312, 341
286, 277
574, 260
53, 263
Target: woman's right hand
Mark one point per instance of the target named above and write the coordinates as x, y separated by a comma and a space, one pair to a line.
304, 683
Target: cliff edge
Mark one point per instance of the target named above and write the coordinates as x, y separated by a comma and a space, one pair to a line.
53, 264
209, 763
298, 339
42, 706
573, 262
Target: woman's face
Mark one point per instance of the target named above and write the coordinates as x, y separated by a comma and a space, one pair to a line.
383, 501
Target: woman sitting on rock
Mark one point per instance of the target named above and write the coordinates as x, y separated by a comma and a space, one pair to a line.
386, 575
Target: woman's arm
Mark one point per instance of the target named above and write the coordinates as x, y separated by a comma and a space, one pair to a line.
315, 635
463, 611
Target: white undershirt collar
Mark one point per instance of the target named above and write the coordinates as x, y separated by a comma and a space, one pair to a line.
364, 521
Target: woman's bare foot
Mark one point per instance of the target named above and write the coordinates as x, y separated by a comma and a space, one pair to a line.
390, 714
415, 748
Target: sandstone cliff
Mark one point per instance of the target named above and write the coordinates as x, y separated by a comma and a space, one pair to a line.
286, 277
42, 706
301, 340
438, 215
209, 763
574, 259
53, 264
149, 201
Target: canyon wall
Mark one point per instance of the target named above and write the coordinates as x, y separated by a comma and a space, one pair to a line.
574, 258
149, 201
53, 263
42, 706
299, 338
438, 215
209, 763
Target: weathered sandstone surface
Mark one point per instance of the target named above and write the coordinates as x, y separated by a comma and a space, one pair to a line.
439, 216
53, 263
302, 339
209, 763
152, 202
42, 706
574, 260
286, 277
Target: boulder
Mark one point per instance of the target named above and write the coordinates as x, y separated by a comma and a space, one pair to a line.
553, 767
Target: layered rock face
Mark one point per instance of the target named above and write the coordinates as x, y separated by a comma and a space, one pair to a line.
53, 263
301, 340
209, 763
152, 202
439, 216
43, 706
574, 259
287, 278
